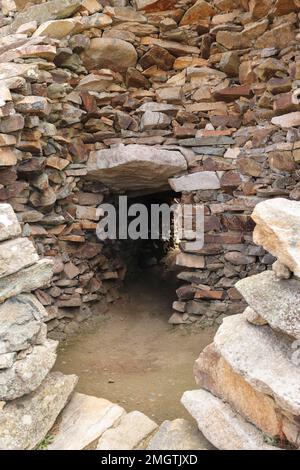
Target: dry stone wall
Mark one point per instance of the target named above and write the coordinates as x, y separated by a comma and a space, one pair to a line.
209, 87
249, 376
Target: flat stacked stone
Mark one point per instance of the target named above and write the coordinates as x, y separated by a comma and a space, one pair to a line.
31, 397
251, 372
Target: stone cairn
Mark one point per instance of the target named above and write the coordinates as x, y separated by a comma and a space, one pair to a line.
203, 93
31, 396
250, 375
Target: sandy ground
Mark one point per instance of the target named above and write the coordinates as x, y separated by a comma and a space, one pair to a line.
133, 356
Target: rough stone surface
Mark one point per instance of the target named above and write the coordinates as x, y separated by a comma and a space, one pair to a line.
263, 358
133, 429
26, 421
15, 255
9, 225
135, 167
214, 374
195, 181
21, 321
179, 434
27, 373
83, 421
221, 425
111, 53
277, 226
276, 300
28, 279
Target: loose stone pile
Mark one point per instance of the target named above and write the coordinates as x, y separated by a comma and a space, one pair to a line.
31, 396
103, 96
250, 375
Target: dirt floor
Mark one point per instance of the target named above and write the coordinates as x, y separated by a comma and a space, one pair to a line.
132, 356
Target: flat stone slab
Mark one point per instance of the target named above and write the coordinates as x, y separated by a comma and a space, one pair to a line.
179, 434
26, 421
135, 167
194, 181
27, 374
221, 425
275, 300
129, 434
21, 323
83, 421
27, 279
263, 358
15, 255
9, 224
277, 230
215, 375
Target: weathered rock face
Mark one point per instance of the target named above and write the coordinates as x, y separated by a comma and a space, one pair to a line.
277, 229
26, 421
135, 167
275, 300
177, 435
21, 322
133, 429
263, 358
26, 374
214, 374
111, 53
212, 415
84, 420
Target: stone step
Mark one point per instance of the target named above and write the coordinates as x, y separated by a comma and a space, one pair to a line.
179, 434
263, 358
275, 300
221, 425
131, 433
84, 420
25, 422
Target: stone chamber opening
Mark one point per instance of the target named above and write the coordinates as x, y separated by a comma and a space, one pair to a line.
131, 354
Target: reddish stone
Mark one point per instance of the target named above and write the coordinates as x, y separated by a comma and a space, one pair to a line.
233, 93
227, 238
210, 295
230, 179
234, 294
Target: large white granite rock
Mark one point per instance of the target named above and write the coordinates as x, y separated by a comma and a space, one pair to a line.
277, 230
9, 224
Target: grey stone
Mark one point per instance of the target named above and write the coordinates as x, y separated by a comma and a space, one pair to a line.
129, 434
15, 255
9, 225
21, 321
277, 230
83, 421
275, 300
263, 358
26, 421
135, 167
221, 425
194, 181
7, 360
28, 279
28, 373
179, 434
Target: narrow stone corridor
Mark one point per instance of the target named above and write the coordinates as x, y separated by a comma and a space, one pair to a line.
132, 356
